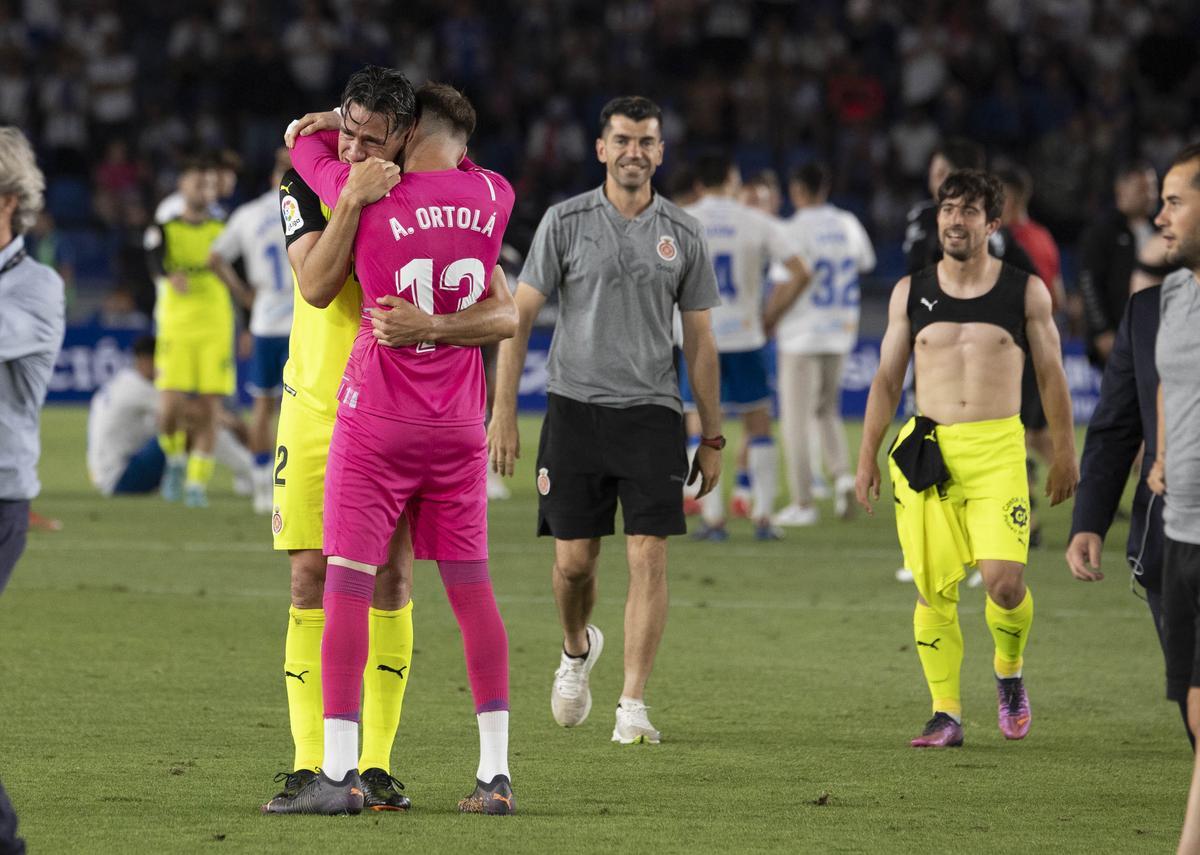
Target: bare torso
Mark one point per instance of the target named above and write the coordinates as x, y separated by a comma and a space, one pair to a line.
967, 372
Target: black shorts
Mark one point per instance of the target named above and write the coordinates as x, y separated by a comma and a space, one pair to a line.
1032, 414
1181, 618
590, 456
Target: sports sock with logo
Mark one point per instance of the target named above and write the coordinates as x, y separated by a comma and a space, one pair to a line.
763, 460
199, 468
940, 648
1010, 631
347, 601
389, 658
302, 677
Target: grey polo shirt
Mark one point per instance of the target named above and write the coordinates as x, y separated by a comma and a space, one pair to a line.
1177, 355
31, 333
618, 282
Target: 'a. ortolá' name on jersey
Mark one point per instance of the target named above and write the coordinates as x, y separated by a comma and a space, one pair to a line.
444, 217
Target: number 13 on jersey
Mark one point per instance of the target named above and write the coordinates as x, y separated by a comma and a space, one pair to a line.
416, 277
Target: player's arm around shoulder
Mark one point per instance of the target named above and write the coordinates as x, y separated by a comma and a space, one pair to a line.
1045, 349
504, 441
884, 396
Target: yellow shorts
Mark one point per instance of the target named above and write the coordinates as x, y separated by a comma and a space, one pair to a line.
988, 490
301, 450
199, 364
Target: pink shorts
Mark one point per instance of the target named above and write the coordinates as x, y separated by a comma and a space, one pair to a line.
380, 468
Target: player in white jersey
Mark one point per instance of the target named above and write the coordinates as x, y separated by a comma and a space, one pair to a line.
814, 337
123, 453
742, 242
255, 235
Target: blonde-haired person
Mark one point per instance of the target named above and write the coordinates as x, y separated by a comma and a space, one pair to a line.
31, 332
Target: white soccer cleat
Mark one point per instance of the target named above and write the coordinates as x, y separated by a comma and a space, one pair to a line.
843, 497
794, 516
904, 575
975, 580
633, 725
570, 697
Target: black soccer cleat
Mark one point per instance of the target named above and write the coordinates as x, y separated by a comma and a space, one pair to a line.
321, 796
382, 792
293, 782
495, 798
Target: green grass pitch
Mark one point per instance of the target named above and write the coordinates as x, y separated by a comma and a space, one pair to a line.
142, 707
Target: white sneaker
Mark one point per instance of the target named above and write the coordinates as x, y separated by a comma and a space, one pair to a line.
794, 515
633, 725
975, 580
904, 575
843, 497
496, 488
570, 697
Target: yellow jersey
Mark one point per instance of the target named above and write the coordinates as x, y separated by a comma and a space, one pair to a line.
205, 309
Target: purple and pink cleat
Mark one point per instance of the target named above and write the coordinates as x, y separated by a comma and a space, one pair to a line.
941, 731
1013, 714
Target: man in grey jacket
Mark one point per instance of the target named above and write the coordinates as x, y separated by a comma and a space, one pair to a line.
31, 333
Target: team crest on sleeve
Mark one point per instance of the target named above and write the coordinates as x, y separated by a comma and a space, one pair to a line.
276, 521
543, 481
666, 248
292, 219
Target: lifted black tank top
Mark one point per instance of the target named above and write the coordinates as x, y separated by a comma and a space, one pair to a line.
1002, 306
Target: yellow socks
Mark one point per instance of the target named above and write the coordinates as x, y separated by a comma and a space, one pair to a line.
173, 445
384, 681
199, 468
302, 676
940, 646
1010, 631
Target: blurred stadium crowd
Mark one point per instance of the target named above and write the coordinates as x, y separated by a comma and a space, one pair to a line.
113, 93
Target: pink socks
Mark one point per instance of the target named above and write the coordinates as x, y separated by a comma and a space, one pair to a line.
485, 642
347, 600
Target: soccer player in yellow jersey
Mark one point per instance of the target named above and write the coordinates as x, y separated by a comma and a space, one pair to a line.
326, 319
193, 314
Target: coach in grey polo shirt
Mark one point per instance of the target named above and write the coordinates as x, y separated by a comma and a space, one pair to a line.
621, 259
1177, 464
31, 333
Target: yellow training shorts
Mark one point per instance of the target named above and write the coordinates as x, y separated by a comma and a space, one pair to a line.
301, 450
198, 364
988, 489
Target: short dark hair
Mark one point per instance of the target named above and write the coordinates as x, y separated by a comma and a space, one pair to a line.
1187, 155
385, 92
764, 178
961, 153
196, 162
814, 176
144, 346
1016, 177
712, 168
634, 107
443, 104
974, 185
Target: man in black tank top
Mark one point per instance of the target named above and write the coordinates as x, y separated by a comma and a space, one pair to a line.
958, 469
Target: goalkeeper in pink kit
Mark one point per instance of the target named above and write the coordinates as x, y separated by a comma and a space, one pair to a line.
409, 438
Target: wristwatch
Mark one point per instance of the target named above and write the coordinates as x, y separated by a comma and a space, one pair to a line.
717, 442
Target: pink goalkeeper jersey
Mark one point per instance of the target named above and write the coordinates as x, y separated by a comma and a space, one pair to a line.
432, 240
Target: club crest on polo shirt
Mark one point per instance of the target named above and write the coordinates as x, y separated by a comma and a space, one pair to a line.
292, 219
543, 481
666, 248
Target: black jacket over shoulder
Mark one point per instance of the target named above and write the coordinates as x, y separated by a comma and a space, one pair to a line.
1125, 416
